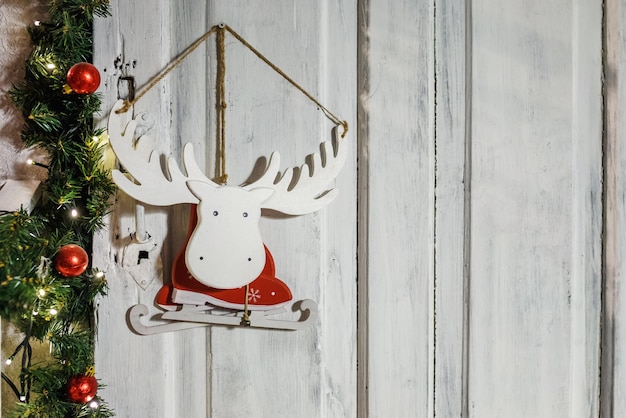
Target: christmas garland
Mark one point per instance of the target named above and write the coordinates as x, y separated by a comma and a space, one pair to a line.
47, 284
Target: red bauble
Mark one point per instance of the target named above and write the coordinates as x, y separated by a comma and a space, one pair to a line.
83, 78
81, 388
71, 260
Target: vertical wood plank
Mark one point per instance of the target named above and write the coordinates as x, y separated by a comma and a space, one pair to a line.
338, 251
189, 118
536, 209
160, 375
398, 197
362, 132
310, 373
452, 182
614, 298
587, 193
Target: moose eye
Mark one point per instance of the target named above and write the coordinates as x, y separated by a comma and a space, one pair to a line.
215, 213
245, 214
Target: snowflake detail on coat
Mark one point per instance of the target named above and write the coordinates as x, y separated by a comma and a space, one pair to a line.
253, 295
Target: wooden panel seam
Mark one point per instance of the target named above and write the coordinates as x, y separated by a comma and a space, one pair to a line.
362, 134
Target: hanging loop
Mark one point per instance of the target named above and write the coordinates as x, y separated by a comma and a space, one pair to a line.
126, 88
330, 115
220, 28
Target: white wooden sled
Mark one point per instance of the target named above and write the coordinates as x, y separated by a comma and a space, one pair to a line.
193, 316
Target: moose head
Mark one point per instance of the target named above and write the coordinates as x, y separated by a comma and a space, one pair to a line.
226, 250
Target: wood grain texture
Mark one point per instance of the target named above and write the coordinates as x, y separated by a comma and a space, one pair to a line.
479, 203
161, 375
613, 401
451, 217
587, 177
536, 209
398, 195
310, 373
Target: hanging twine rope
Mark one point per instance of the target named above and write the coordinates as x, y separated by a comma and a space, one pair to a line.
220, 102
219, 29
273, 66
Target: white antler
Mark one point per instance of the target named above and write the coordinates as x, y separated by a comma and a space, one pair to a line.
310, 191
142, 163
304, 194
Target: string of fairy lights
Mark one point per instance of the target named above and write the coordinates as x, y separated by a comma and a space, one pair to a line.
48, 286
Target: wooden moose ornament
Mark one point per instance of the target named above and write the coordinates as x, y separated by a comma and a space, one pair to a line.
234, 273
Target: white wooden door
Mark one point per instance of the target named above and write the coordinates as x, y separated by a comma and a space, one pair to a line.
461, 272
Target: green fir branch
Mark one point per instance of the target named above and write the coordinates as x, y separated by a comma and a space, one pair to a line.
34, 296
46, 119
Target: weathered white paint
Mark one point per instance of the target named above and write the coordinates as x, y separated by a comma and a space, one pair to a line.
532, 355
309, 373
515, 136
535, 220
452, 207
587, 204
480, 210
516, 212
535, 224
168, 370
613, 400
397, 195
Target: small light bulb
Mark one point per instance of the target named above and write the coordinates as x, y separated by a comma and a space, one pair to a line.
51, 66
53, 311
99, 274
22, 398
8, 361
42, 292
33, 162
37, 23
95, 138
94, 404
35, 313
74, 213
